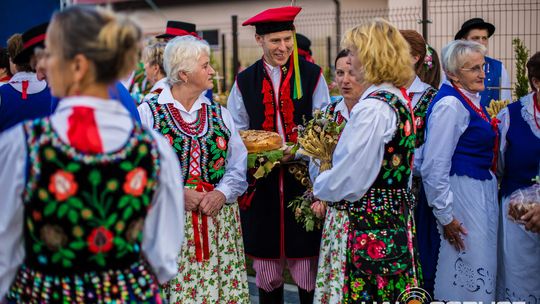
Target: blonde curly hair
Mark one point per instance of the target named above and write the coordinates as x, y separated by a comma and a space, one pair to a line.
382, 51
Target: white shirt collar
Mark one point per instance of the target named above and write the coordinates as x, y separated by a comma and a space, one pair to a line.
474, 97
383, 86
98, 104
417, 86
528, 103
160, 84
271, 69
166, 97
34, 85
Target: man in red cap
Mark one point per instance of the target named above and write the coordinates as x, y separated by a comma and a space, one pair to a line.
277, 93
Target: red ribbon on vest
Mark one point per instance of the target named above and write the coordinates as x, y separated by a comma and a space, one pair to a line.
24, 85
83, 133
202, 250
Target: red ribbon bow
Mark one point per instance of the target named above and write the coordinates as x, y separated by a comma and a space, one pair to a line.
202, 250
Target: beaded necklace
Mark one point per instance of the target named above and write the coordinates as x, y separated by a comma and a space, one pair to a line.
476, 109
191, 128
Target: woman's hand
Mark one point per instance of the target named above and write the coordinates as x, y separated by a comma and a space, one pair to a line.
532, 219
192, 199
212, 203
453, 232
287, 155
319, 209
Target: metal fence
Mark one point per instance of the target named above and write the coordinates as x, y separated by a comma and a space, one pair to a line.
513, 19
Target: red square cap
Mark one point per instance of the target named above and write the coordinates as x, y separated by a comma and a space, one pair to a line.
274, 19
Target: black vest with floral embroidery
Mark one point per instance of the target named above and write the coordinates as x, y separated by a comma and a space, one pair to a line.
83, 220
391, 184
213, 143
420, 111
331, 113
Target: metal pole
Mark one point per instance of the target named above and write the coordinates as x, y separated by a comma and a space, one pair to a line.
425, 20
235, 63
338, 24
224, 61
329, 52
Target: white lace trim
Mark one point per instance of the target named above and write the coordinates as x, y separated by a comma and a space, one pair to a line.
527, 111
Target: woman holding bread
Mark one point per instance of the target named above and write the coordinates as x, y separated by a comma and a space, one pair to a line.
518, 165
211, 264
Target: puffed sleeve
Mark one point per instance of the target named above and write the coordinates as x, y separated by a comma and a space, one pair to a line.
360, 149
147, 118
447, 122
504, 124
13, 153
237, 109
321, 94
233, 183
164, 225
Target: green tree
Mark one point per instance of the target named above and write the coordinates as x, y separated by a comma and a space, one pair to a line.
522, 55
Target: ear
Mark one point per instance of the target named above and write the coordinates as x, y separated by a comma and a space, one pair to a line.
415, 59
80, 67
453, 77
259, 39
182, 75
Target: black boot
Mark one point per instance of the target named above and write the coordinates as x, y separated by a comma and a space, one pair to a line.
306, 297
273, 297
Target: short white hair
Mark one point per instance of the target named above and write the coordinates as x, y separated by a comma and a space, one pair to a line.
181, 55
457, 52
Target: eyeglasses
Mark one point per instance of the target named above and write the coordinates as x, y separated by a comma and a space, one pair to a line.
477, 69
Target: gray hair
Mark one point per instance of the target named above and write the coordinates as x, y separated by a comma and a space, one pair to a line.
455, 54
181, 55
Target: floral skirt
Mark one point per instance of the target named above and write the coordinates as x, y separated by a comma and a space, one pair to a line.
332, 258
212, 269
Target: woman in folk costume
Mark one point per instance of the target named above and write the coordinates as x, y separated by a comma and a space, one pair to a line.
152, 58
378, 141
518, 165
332, 261
211, 264
86, 191
457, 175
24, 96
421, 95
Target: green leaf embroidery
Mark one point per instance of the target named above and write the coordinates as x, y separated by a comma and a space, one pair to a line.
386, 174
111, 220
63, 210
75, 202
95, 177
77, 245
67, 263
73, 216
68, 253
36, 247
127, 213
57, 256
73, 167
136, 203
145, 200
124, 201
50, 208
126, 166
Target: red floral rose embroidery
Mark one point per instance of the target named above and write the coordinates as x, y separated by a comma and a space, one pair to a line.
63, 185
135, 182
407, 128
362, 241
376, 248
419, 122
219, 162
221, 143
169, 138
100, 240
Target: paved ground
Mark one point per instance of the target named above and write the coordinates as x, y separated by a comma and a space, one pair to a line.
290, 293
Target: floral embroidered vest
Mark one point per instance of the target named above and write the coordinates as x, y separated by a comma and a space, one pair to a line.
391, 185
420, 111
201, 155
83, 220
331, 113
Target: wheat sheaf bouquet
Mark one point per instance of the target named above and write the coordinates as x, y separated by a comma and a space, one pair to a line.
317, 139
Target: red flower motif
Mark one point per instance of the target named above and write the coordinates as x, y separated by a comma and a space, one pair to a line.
219, 162
407, 128
362, 241
419, 122
63, 185
375, 249
221, 143
169, 138
100, 240
135, 181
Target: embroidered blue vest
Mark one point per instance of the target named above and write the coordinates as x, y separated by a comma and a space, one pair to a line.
473, 155
522, 153
493, 79
14, 109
